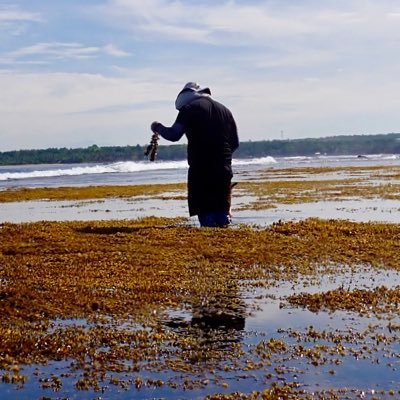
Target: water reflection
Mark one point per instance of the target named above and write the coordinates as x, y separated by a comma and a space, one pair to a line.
224, 311
216, 319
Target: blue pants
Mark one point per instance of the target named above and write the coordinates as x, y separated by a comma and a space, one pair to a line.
216, 219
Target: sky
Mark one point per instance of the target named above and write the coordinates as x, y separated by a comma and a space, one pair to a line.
79, 72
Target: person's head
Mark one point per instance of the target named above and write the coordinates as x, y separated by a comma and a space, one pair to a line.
190, 91
195, 87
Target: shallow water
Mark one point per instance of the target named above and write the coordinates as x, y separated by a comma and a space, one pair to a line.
359, 210
364, 367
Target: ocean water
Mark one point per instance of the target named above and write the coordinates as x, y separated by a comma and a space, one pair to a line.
142, 172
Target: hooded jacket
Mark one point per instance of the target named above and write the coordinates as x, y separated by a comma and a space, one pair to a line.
211, 132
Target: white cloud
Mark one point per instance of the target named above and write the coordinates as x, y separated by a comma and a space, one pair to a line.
11, 13
192, 21
57, 50
114, 51
13, 20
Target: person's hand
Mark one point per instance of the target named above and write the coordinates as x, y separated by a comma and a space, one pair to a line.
154, 126
154, 138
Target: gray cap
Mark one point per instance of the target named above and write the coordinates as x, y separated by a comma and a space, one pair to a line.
191, 91
195, 87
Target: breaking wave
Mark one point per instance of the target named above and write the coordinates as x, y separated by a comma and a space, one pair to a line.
51, 171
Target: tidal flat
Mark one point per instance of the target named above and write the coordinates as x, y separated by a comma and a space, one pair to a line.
154, 307
358, 193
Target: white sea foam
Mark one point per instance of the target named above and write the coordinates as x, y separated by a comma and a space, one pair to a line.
113, 168
19, 173
389, 157
254, 161
119, 167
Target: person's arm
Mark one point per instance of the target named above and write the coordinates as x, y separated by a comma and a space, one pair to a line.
173, 133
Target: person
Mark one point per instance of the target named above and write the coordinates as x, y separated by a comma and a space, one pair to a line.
212, 138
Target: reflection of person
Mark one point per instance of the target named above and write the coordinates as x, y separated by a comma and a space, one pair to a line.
223, 311
212, 138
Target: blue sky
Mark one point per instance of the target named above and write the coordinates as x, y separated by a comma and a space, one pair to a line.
75, 73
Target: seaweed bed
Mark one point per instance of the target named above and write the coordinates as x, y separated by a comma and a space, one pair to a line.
155, 308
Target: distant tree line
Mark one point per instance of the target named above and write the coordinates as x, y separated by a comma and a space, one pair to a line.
91, 154
334, 145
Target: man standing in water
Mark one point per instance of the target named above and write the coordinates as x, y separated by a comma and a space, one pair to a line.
212, 138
